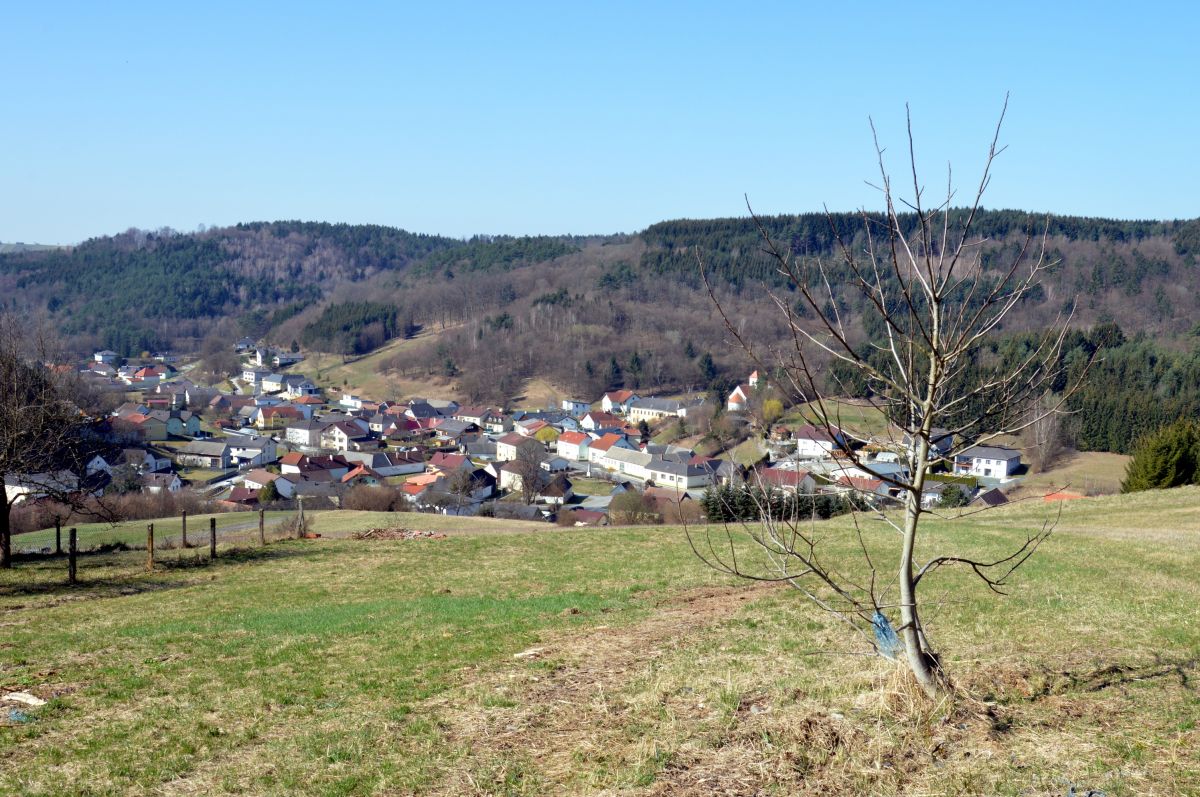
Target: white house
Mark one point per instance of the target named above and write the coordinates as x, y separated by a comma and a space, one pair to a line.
251, 449
679, 475
813, 441
573, 445
254, 376
575, 406
618, 401
306, 434
107, 357
739, 399
390, 463
507, 445
994, 462
155, 483
35, 485
598, 449
351, 401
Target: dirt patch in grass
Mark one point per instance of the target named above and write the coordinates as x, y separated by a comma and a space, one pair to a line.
562, 699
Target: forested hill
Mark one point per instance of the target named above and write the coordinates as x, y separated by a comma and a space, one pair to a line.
325, 284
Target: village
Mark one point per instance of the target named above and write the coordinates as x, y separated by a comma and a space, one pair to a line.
280, 440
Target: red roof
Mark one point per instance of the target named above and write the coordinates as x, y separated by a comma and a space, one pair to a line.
608, 441
443, 461
574, 438
619, 396
810, 432
604, 419
861, 484
243, 495
588, 517
361, 470
512, 439
666, 494
778, 477
292, 458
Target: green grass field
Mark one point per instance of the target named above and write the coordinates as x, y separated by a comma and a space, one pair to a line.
92, 535
519, 658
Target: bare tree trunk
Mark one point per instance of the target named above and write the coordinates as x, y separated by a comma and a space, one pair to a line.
921, 661
5, 536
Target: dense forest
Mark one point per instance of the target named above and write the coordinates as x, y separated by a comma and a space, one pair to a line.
589, 313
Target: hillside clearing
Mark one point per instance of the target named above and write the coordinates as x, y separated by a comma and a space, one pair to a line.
525, 659
367, 375
1081, 472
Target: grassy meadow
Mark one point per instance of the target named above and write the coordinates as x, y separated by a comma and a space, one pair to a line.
517, 658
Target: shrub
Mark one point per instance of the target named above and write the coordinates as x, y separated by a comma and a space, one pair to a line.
372, 498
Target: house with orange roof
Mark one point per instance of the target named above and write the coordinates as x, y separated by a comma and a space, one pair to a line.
573, 446
598, 449
618, 401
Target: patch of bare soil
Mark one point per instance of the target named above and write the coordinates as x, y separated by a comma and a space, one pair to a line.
397, 534
566, 710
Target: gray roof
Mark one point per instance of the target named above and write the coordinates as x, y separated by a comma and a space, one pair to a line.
991, 452
658, 404
253, 441
676, 468
205, 448
630, 456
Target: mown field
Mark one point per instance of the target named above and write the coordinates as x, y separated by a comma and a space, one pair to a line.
512, 658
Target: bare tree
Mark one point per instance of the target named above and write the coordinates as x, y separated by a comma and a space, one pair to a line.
528, 469
1044, 439
46, 437
920, 275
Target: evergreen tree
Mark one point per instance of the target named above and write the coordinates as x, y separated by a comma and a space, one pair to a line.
1169, 457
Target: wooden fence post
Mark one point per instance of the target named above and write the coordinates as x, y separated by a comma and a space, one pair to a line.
57, 537
262, 535
184, 518
150, 547
72, 551
212, 537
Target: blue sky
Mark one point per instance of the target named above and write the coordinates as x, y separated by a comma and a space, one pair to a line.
461, 118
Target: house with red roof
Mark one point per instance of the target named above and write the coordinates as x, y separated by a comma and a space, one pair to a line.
792, 481
598, 449
600, 420
573, 446
618, 401
449, 463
